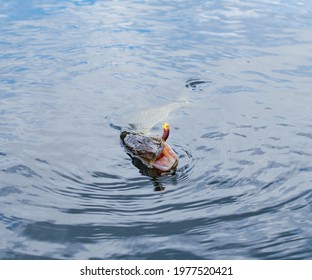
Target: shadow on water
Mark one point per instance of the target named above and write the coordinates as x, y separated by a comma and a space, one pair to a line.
173, 177
153, 173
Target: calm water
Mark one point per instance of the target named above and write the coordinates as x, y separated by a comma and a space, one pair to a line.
233, 78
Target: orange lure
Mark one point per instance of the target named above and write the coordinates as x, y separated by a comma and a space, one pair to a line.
167, 160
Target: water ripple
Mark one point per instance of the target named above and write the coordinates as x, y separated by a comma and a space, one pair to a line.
196, 84
242, 188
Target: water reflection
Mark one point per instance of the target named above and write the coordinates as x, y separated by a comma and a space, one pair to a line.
232, 78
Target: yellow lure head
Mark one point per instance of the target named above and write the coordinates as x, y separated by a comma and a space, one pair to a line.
166, 131
165, 126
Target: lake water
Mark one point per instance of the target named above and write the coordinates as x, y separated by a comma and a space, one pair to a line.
233, 79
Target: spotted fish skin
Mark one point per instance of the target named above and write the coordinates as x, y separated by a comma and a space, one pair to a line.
146, 148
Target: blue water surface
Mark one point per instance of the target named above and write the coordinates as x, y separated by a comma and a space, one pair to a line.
231, 77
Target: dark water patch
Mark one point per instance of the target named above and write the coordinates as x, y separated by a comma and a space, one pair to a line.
70, 177
11, 222
275, 164
301, 71
42, 161
57, 233
215, 135
283, 124
274, 248
237, 89
197, 84
15, 255
245, 125
245, 162
275, 138
275, 147
187, 163
205, 149
21, 169
271, 184
252, 151
301, 153
305, 169
116, 127
124, 184
8, 190
308, 135
100, 174
240, 134
259, 127
163, 254
266, 77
